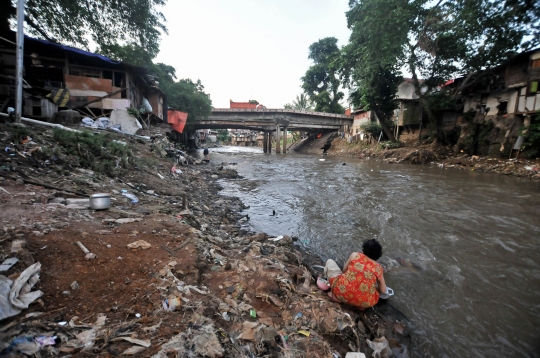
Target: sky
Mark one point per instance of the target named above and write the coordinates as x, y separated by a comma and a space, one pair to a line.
248, 49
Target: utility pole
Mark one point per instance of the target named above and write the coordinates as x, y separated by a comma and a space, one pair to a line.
20, 57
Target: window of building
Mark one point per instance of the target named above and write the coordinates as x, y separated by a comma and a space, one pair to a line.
535, 63
532, 87
503, 108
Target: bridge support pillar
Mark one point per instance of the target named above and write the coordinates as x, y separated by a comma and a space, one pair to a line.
270, 142
278, 144
265, 142
284, 140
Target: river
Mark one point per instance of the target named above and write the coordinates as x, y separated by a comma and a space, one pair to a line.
469, 242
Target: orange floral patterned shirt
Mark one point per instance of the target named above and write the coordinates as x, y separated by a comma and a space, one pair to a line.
357, 286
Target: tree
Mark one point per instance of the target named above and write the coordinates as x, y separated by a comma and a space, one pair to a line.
183, 95
188, 96
321, 82
437, 41
301, 103
105, 22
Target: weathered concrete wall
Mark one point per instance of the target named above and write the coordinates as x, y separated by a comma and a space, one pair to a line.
406, 91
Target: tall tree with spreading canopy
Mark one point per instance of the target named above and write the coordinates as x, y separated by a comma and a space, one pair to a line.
437, 41
105, 22
184, 95
321, 82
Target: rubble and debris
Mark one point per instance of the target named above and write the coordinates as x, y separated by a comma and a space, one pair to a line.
17, 296
8, 263
88, 254
206, 287
139, 244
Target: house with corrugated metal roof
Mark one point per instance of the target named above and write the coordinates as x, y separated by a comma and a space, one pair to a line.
59, 78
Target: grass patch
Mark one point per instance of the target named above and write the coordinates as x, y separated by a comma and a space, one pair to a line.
98, 152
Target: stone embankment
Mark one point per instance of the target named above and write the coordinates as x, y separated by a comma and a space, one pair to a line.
163, 280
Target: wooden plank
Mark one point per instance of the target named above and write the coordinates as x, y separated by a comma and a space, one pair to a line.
98, 99
109, 103
117, 91
83, 93
88, 83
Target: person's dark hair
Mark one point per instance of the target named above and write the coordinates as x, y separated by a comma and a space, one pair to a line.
372, 249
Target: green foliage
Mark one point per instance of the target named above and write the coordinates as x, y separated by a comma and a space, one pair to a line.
321, 82
97, 152
104, 22
434, 40
253, 101
131, 53
372, 128
188, 96
18, 134
531, 143
300, 103
223, 136
134, 112
183, 95
390, 145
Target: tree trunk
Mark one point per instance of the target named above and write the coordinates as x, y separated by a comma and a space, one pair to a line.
434, 130
384, 124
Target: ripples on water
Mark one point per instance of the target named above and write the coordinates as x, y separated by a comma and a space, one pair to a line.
470, 241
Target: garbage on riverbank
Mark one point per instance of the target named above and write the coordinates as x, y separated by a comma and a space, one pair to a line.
192, 283
438, 157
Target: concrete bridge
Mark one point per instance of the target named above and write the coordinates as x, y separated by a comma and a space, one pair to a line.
273, 120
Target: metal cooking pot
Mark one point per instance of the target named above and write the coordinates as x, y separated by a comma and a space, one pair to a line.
100, 201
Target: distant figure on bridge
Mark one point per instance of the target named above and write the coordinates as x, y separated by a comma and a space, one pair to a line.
325, 147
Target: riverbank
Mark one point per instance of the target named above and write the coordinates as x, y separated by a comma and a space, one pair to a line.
162, 278
414, 153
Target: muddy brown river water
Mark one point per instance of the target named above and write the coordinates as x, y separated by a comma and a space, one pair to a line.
468, 243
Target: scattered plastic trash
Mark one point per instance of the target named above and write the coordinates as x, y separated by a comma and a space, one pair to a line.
8, 263
355, 355
171, 304
380, 347
138, 315
304, 333
275, 239
103, 123
16, 296
63, 323
134, 199
17, 245
140, 342
248, 332
46, 341
134, 350
252, 313
389, 293
298, 315
225, 316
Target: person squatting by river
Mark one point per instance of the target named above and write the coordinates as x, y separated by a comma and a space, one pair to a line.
362, 278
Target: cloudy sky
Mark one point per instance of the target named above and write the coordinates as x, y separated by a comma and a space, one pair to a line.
248, 49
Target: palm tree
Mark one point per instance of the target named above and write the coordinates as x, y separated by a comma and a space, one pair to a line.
301, 103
